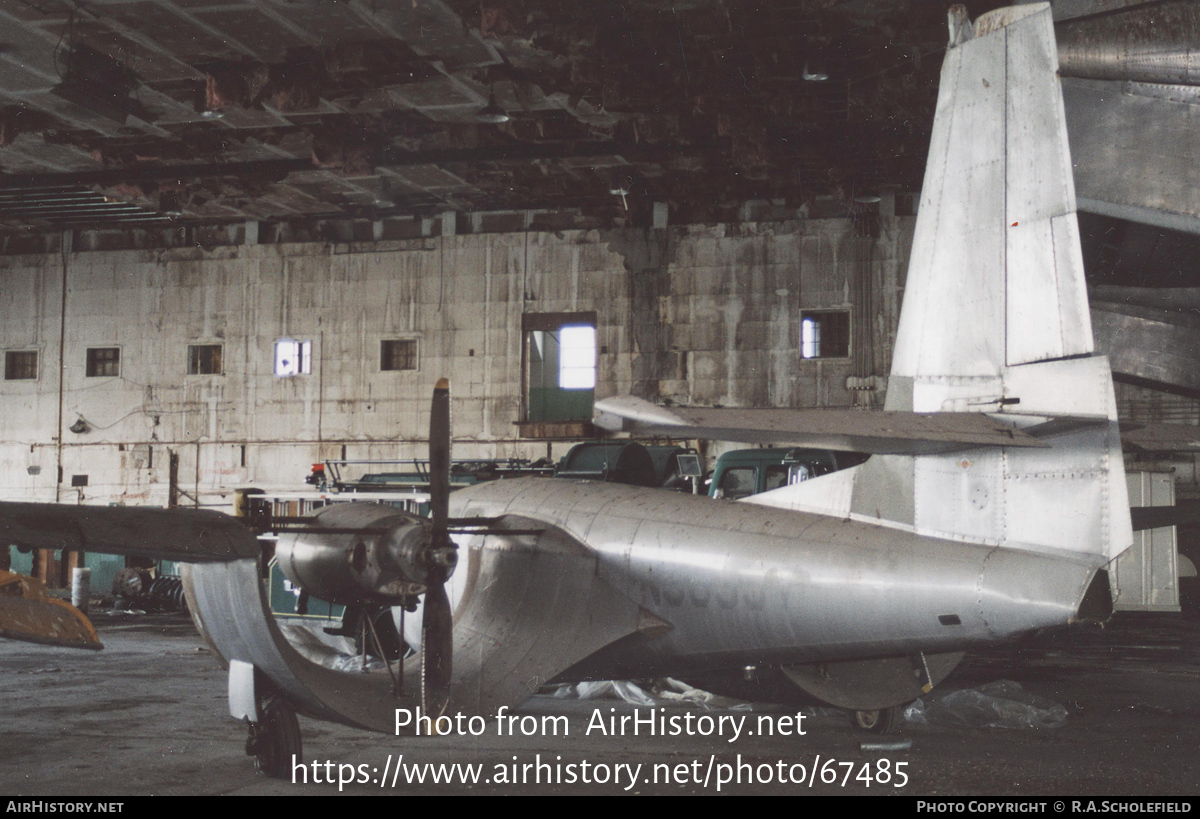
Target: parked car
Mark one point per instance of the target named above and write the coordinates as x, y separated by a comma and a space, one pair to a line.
745, 472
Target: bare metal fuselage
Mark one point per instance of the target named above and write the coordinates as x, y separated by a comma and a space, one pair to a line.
607, 581
739, 583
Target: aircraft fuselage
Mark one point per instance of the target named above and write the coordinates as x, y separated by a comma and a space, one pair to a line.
739, 583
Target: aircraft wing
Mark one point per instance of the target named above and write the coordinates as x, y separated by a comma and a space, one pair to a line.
185, 535
879, 433
528, 609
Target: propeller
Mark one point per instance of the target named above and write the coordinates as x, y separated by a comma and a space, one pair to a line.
370, 558
437, 636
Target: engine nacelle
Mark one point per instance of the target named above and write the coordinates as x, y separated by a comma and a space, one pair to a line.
373, 554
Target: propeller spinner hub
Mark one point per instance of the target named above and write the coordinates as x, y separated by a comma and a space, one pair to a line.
446, 557
355, 554
419, 557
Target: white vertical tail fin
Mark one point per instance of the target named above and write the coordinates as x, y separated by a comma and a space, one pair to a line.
995, 318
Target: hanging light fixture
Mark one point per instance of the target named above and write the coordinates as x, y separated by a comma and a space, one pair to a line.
815, 71
492, 114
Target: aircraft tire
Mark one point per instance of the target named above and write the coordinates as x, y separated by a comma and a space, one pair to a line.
275, 740
879, 721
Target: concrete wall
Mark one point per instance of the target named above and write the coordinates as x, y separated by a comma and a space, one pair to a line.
699, 315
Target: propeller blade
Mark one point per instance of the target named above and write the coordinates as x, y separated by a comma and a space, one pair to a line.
437, 633
439, 461
437, 640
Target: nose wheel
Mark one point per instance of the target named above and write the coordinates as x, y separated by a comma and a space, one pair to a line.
274, 740
880, 721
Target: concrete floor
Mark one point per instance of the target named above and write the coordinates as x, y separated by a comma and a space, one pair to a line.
148, 716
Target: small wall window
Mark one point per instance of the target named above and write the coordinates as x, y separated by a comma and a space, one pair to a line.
204, 359
20, 365
577, 357
825, 334
398, 354
103, 362
293, 357
560, 361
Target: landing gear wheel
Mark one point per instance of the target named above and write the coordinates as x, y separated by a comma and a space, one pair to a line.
881, 721
275, 739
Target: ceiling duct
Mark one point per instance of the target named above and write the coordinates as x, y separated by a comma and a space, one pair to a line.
101, 85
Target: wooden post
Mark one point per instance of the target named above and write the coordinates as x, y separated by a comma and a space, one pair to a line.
173, 480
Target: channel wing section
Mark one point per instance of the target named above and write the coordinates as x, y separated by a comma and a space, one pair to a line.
880, 433
534, 605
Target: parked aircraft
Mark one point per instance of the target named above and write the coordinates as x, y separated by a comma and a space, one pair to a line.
994, 497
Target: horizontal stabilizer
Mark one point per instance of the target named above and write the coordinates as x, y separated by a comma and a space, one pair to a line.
882, 433
1161, 437
185, 535
1156, 517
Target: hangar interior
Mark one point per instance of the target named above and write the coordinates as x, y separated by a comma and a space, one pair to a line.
399, 193
242, 237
